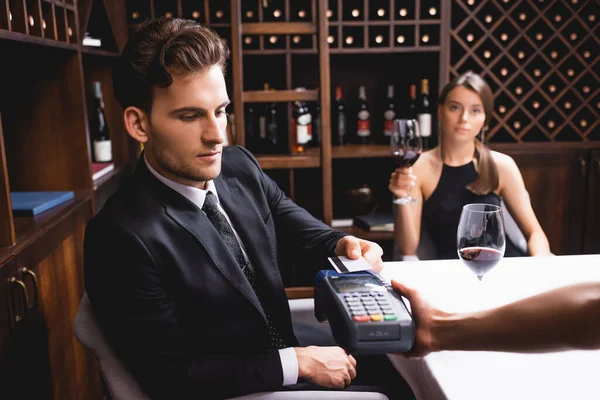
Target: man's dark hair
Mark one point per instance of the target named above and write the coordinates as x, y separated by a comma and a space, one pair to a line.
158, 49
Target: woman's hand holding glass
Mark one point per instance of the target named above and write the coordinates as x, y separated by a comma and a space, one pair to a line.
402, 181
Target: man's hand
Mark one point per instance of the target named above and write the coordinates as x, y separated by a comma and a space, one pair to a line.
329, 367
424, 316
354, 248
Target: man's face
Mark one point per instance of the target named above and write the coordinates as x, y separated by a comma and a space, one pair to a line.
188, 127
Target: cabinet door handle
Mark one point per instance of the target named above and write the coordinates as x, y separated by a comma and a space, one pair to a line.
25, 273
583, 165
598, 162
12, 283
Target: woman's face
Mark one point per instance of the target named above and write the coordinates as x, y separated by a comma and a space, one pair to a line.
462, 115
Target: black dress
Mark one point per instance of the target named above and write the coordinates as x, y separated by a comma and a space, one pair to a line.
441, 212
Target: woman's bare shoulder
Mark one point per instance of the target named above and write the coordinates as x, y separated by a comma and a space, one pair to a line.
504, 162
427, 162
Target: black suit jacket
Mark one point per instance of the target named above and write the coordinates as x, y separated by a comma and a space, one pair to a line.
173, 301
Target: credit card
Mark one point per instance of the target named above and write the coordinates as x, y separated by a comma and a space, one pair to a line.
344, 264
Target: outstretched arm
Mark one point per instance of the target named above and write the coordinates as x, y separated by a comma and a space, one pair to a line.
561, 319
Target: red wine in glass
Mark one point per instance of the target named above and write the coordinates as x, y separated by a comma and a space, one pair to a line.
480, 237
406, 147
405, 158
480, 259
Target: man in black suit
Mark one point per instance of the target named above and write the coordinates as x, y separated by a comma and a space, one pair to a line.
181, 263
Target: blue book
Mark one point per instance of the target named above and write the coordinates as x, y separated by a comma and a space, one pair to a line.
28, 204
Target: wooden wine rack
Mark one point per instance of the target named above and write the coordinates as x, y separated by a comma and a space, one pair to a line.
540, 58
48, 22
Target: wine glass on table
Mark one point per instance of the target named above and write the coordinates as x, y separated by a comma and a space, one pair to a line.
406, 148
481, 238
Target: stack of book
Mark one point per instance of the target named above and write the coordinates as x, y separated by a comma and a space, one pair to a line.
29, 204
375, 222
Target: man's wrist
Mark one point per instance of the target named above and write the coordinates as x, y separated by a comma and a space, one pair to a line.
289, 365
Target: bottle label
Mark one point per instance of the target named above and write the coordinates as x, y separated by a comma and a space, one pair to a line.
425, 124
262, 127
302, 134
363, 115
363, 128
388, 122
341, 124
103, 151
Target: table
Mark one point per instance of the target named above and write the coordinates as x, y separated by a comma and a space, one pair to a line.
461, 375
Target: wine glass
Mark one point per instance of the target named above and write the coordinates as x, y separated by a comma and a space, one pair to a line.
406, 148
480, 238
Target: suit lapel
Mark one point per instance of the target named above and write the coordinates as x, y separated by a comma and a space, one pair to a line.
198, 224
187, 214
253, 232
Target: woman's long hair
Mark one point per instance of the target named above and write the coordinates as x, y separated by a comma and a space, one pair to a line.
487, 173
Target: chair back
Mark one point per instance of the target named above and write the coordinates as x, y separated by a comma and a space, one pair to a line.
119, 381
123, 386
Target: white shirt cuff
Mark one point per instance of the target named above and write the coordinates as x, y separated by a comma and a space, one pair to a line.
289, 365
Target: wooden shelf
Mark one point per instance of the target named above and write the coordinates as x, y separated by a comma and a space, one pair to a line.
385, 50
24, 38
362, 234
386, 23
62, 4
28, 229
361, 151
274, 96
118, 171
311, 159
98, 52
279, 28
270, 52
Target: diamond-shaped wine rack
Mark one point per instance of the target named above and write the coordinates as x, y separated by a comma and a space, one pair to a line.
542, 60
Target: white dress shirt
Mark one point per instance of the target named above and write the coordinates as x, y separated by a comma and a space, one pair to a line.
289, 362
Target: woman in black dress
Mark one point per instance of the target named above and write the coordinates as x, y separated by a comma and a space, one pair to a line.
460, 171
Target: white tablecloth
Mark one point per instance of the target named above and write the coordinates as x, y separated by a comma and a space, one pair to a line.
458, 375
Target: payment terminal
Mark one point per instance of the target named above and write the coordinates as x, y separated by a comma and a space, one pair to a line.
365, 314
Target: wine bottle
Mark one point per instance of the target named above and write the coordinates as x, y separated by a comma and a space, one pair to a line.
412, 104
389, 115
272, 127
340, 118
363, 130
316, 126
251, 129
100, 132
424, 114
302, 127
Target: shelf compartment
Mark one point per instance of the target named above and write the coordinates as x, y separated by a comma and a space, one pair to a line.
24, 38
309, 160
361, 151
279, 28
276, 96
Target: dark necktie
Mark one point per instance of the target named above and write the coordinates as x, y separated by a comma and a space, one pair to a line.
226, 233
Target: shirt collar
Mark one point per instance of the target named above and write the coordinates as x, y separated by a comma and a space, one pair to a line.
195, 195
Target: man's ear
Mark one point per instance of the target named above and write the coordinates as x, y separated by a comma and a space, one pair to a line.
137, 123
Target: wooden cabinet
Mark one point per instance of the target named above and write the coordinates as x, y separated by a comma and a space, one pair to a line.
591, 243
43, 284
52, 270
556, 181
46, 75
564, 187
20, 376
